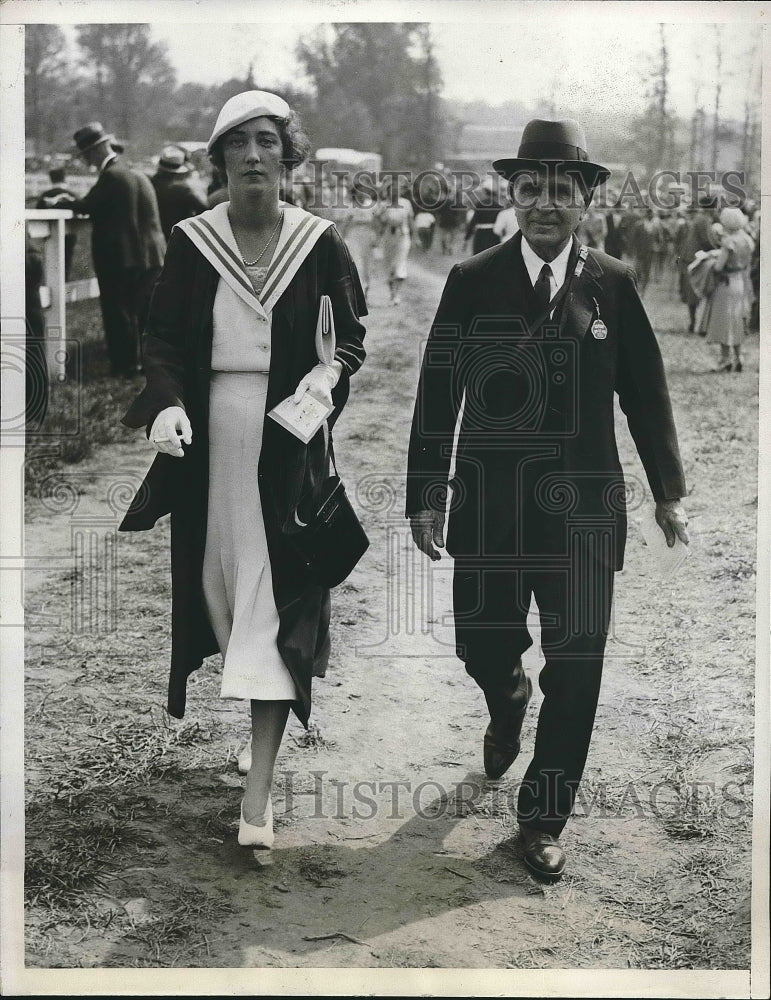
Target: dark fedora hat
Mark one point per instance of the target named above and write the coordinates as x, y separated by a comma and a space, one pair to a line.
172, 160
561, 142
91, 135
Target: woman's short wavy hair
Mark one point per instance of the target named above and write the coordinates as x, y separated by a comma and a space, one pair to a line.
295, 144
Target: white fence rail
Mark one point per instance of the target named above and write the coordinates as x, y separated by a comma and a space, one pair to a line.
47, 225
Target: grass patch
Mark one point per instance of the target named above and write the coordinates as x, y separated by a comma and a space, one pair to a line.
317, 869
129, 755
69, 856
83, 413
180, 928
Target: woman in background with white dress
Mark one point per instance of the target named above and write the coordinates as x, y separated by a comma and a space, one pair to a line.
360, 229
395, 218
727, 310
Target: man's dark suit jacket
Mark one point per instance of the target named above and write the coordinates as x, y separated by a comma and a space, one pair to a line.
536, 453
177, 200
125, 224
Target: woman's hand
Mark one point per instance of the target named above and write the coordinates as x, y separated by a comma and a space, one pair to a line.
170, 428
320, 381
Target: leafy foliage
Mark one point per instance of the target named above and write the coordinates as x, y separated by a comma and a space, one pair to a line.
377, 87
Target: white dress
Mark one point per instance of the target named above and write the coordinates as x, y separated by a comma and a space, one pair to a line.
237, 580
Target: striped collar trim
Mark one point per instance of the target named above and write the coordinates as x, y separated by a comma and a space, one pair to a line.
212, 234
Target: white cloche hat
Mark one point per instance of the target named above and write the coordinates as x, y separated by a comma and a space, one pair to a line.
242, 107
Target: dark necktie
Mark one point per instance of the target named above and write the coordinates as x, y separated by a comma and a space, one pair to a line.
542, 291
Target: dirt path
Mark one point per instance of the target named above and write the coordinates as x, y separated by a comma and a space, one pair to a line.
392, 848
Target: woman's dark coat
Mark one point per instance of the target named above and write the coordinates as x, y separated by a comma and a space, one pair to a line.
177, 359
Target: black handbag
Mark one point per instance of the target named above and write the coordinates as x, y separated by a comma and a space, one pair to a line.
326, 531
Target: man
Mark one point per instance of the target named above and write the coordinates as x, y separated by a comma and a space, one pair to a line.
534, 337
593, 229
127, 245
647, 239
60, 196
613, 242
177, 198
626, 228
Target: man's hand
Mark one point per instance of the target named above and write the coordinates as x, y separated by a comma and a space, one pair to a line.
170, 428
428, 531
673, 521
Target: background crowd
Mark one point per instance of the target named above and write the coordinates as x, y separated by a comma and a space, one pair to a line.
693, 251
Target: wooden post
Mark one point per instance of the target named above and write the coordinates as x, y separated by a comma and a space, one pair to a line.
49, 224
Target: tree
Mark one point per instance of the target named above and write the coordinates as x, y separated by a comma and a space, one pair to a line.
696, 143
718, 92
131, 72
751, 128
655, 128
427, 96
46, 72
377, 87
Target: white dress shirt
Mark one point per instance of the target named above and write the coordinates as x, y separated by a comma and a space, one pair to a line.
559, 265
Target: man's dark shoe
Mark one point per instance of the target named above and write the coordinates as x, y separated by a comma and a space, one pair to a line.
542, 853
501, 742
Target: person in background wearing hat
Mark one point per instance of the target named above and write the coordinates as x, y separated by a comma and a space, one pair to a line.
177, 198
535, 337
127, 245
60, 196
231, 333
727, 309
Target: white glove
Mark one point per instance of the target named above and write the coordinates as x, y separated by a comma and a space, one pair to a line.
321, 380
170, 428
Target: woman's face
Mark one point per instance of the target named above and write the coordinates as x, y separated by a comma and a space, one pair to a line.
253, 153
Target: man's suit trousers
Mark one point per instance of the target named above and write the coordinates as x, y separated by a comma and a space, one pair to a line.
491, 605
124, 297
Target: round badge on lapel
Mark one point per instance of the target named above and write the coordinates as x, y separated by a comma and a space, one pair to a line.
599, 330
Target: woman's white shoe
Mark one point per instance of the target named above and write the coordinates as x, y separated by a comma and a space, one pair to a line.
244, 758
257, 835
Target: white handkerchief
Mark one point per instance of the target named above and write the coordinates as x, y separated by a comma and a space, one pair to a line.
663, 561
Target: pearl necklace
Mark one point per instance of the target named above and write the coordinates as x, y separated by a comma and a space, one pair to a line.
252, 263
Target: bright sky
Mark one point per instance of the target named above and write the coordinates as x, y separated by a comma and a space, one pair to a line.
580, 54
585, 62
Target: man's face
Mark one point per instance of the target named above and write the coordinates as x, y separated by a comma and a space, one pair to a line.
549, 205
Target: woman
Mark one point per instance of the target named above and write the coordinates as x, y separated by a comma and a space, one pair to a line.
728, 308
231, 333
395, 217
480, 219
360, 229
697, 239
